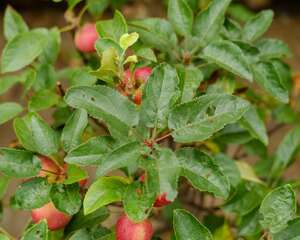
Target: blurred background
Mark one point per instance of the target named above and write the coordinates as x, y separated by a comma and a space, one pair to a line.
46, 13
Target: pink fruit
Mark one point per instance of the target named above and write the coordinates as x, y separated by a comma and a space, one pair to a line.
128, 230
86, 37
55, 219
142, 74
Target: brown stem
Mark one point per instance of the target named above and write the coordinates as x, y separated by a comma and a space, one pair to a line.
163, 137
276, 128
60, 89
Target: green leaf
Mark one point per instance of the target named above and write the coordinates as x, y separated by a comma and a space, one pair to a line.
52, 49
285, 152
255, 125
35, 135
45, 77
249, 225
113, 28
38, 231
73, 3
43, 99
191, 77
257, 25
199, 119
181, 16
6, 82
4, 236
13, 23
33, 194
284, 72
66, 198
73, 130
22, 50
103, 44
97, 7
137, 201
9, 110
75, 174
80, 220
291, 232
78, 76
266, 76
229, 56
159, 96
273, 48
105, 104
246, 198
120, 157
18, 163
208, 22
4, 181
147, 54
90, 152
165, 38
277, 208
229, 168
203, 172
186, 226
103, 192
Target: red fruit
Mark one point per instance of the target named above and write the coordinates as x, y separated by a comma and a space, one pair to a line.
55, 219
142, 178
49, 169
142, 74
86, 37
128, 230
138, 96
161, 200
83, 182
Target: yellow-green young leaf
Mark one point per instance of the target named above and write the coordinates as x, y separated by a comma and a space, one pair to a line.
199, 119
9, 110
3, 236
257, 25
66, 198
18, 163
33, 194
181, 16
267, 77
13, 23
113, 28
22, 50
223, 233
131, 59
203, 172
73, 129
103, 192
35, 135
38, 231
90, 152
208, 22
255, 125
247, 172
291, 232
278, 208
186, 226
43, 99
127, 40
229, 56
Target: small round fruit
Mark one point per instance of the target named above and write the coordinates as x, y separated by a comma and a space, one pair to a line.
86, 37
83, 182
128, 230
161, 200
142, 74
55, 219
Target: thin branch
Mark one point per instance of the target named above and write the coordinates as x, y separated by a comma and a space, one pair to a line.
163, 137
